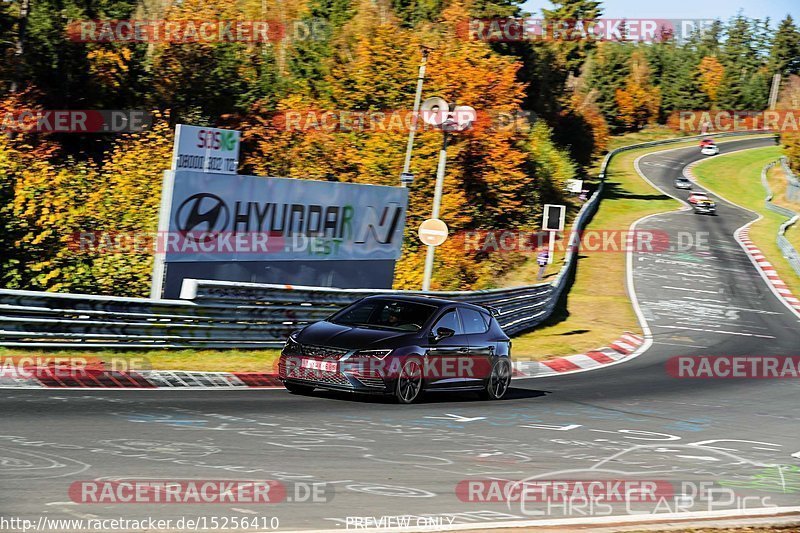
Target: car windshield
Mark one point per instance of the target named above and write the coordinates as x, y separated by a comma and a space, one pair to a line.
390, 314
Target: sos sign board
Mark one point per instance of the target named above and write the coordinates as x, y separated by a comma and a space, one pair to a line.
202, 149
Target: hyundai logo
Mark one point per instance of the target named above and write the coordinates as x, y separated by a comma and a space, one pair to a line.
202, 213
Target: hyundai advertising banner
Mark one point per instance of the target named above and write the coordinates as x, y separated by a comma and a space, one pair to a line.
251, 218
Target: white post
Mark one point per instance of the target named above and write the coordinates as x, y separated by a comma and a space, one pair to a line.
414, 117
437, 201
773, 93
551, 246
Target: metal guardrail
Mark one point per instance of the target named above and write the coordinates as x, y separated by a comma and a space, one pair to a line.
789, 252
793, 184
38, 319
517, 306
216, 314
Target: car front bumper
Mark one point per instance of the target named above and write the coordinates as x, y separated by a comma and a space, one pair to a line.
344, 378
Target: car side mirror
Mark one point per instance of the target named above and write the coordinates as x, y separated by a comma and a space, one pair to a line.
443, 333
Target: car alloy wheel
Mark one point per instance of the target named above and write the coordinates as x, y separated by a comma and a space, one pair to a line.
499, 380
409, 383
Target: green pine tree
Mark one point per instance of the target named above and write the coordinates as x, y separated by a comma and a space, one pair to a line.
784, 54
573, 53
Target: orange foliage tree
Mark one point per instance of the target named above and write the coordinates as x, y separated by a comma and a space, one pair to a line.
711, 75
373, 69
639, 101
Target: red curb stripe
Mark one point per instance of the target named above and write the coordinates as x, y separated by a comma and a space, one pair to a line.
600, 357
257, 379
635, 335
561, 365
134, 381
620, 349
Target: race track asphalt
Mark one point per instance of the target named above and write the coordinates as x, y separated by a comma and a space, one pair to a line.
631, 421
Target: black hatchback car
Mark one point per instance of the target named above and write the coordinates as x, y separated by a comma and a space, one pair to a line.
401, 345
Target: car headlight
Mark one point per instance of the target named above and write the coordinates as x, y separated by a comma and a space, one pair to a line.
291, 342
377, 354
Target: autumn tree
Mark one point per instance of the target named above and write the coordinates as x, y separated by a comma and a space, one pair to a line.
711, 75
639, 101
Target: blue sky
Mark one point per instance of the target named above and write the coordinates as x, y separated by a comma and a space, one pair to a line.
688, 9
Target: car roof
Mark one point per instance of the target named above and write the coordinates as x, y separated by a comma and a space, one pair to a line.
429, 300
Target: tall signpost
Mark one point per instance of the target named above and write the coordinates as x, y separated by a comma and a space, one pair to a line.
554, 217
406, 178
437, 112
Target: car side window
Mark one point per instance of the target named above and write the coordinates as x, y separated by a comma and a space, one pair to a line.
449, 320
474, 321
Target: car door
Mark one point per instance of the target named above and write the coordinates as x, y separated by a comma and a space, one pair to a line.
443, 356
481, 346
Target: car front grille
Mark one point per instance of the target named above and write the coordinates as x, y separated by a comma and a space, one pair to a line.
322, 352
317, 376
290, 368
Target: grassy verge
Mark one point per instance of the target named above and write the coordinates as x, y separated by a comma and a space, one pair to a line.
198, 360
598, 309
738, 178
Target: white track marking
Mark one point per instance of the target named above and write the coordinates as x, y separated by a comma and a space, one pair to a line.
718, 331
688, 289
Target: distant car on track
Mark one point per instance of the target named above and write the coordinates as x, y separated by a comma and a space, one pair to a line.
709, 149
400, 345
701, 203
697, 196
706, 206
683, 183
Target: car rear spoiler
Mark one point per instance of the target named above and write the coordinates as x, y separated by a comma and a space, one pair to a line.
495, 312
